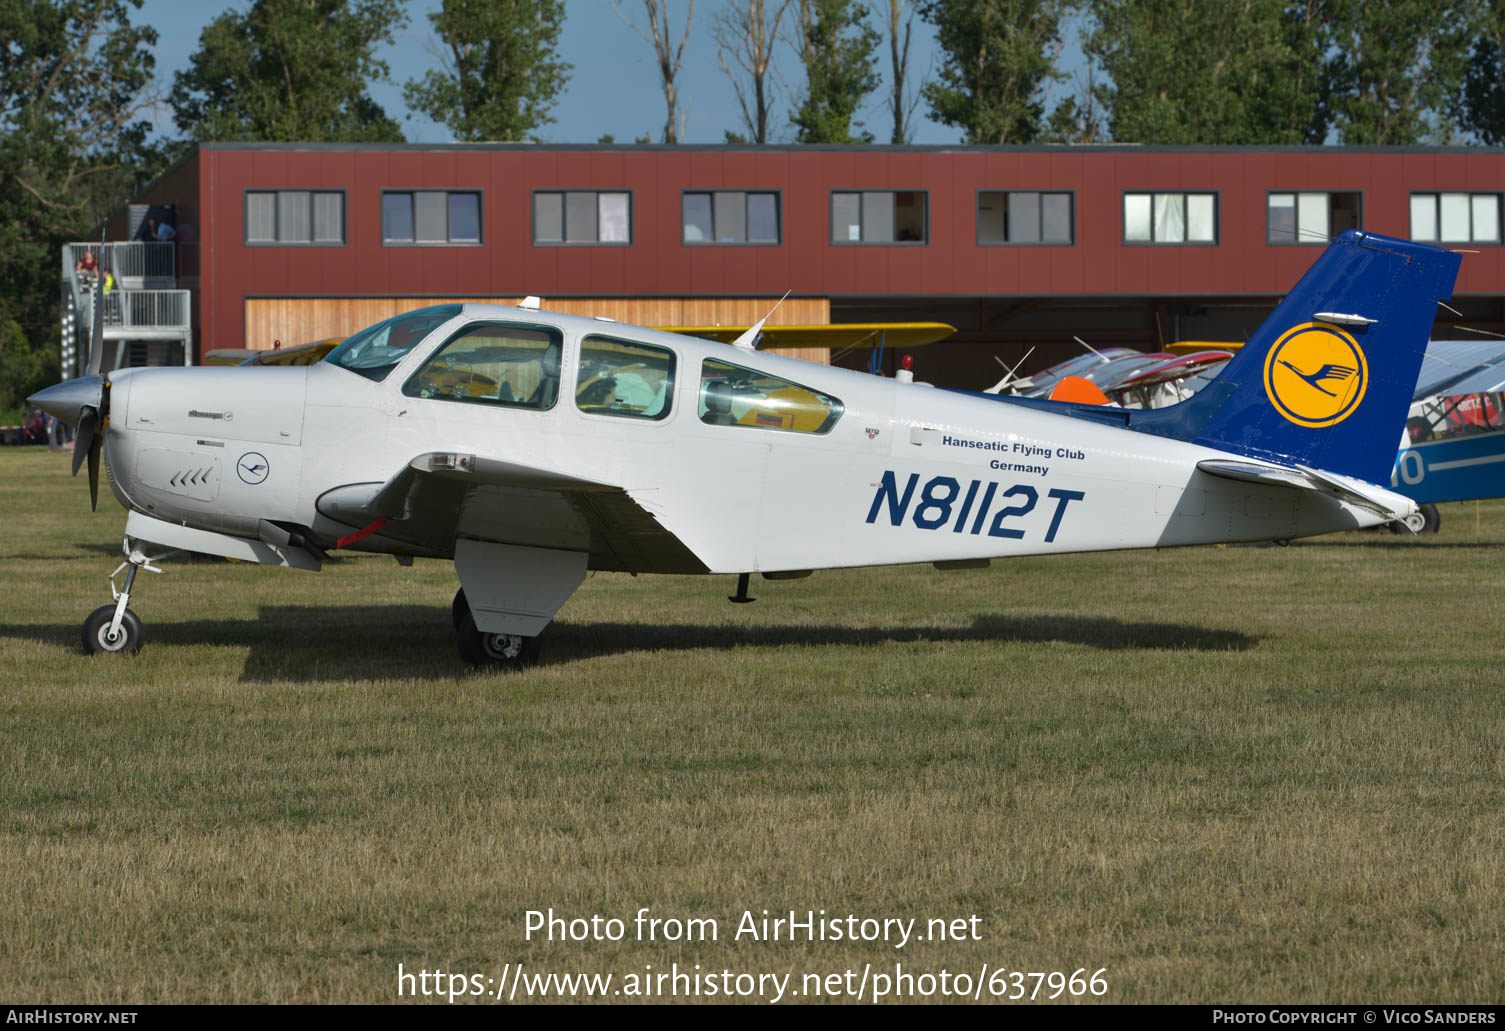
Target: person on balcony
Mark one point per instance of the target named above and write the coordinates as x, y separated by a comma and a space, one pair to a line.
160, 231
87, 268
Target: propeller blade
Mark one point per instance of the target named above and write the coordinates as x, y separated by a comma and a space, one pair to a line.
88, 427
94, 449
97, 332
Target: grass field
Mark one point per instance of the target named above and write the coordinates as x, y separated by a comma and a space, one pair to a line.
1250, 774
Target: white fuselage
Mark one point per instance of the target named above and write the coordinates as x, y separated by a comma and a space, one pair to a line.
907, 474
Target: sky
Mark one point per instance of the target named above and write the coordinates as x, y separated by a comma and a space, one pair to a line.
614, 87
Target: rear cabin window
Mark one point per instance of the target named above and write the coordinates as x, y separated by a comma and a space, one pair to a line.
733, 396
491, 363
624, 378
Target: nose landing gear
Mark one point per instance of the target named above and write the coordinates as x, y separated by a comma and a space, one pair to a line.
114, 629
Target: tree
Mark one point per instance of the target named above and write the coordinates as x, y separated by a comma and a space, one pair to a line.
501, 68
838, 49
900, 28
659, 35
1479, 106
1247, 72
1399, 65
75, 80
1000, 58
1079, 117
745, 35
289, 70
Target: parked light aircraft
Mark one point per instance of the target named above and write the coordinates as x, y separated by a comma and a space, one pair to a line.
1039, 384
1168, 382
530, 447
1454, 446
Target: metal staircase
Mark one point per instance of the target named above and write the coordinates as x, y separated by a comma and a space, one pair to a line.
146, 318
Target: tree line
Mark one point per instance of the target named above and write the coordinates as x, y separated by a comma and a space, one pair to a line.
78, 85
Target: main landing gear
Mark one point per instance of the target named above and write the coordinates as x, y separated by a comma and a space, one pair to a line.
114, 629
490, 651
1425, 520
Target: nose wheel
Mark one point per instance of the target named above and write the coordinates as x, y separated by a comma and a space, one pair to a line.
102, 635
114, 629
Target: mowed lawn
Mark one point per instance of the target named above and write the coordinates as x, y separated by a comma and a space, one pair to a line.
1254, 774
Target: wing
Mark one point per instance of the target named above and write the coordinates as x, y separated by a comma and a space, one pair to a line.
303, 354
438, 498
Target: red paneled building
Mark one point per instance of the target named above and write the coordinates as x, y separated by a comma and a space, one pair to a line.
1016, 247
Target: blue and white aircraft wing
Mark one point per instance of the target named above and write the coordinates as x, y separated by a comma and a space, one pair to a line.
1461, 367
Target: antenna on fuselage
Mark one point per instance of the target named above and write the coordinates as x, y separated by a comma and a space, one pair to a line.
997, 388
749, 337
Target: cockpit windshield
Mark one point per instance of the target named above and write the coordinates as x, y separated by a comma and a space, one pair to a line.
376, 350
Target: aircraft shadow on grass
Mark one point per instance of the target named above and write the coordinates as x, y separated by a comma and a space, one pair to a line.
304, 643
1397, 543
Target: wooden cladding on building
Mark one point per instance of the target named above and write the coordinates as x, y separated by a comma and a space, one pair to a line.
299, 320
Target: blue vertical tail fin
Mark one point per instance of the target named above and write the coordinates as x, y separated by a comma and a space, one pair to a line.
1327, 379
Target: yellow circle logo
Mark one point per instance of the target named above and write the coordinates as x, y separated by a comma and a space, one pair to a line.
1316, 375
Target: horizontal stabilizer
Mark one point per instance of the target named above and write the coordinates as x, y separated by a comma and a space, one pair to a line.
1373, 498
1255, 472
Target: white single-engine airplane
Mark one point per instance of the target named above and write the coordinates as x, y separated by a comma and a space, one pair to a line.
531, 447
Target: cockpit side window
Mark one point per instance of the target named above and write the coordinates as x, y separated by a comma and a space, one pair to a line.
624, 378
733, 396
493, 363
376, 350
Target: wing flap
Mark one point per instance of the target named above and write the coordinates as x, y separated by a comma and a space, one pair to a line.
439, 497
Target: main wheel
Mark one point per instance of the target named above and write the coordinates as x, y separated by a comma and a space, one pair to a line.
1413, 524
97, 639
458, 608
1433, 518
495, 651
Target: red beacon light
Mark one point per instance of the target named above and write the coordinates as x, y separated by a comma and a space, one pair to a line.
906, 369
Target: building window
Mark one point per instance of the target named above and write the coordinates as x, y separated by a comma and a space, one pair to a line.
582, 217
1170, 218
431, 217
1455, 217
289, 217
1313, 218
1024, 216
731, 216
878, 216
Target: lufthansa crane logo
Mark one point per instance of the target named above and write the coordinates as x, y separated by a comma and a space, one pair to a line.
1316, 375
252, 467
